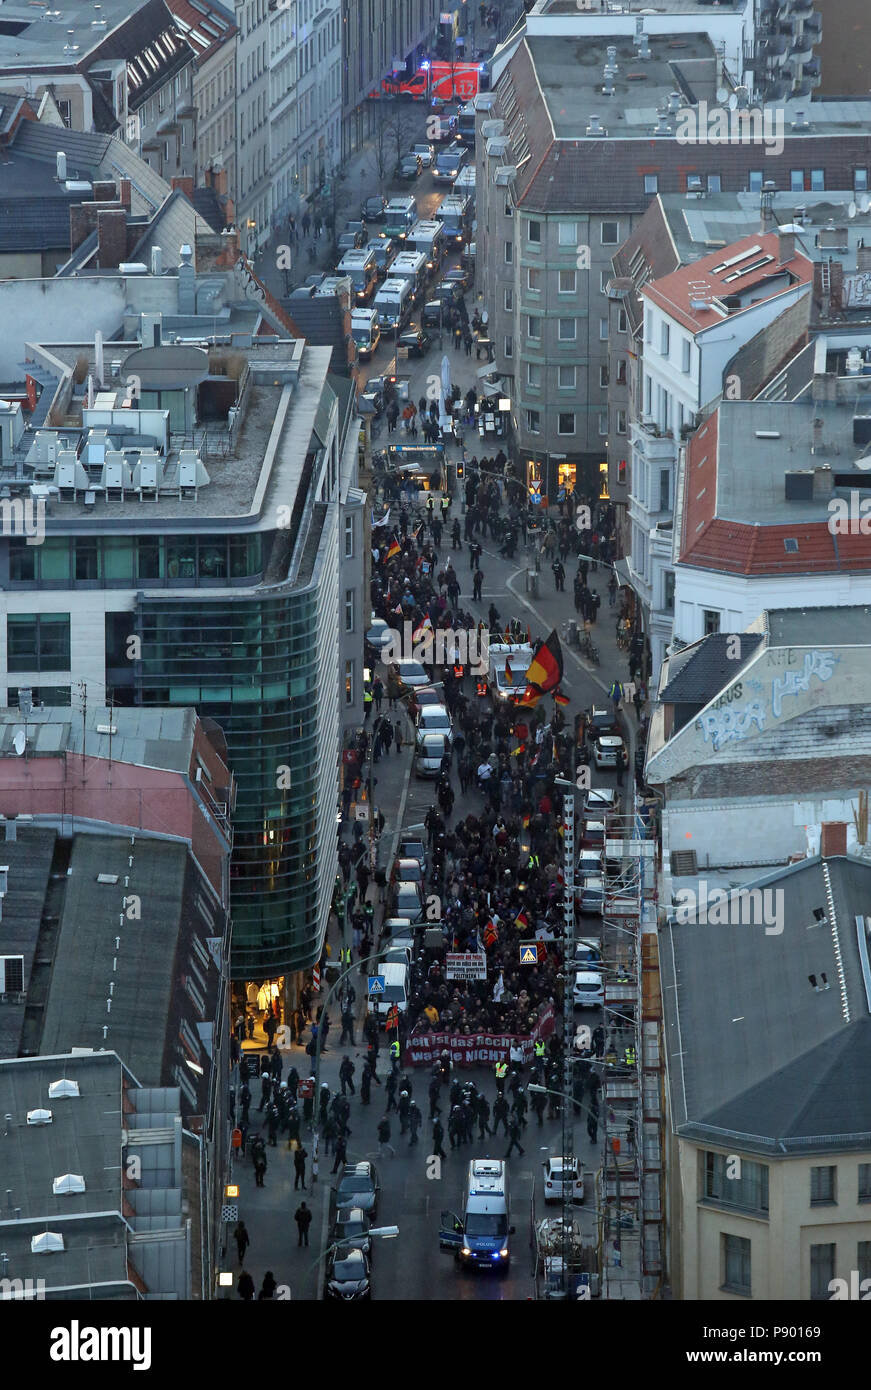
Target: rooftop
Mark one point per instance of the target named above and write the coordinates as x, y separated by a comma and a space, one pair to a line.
143, 737
800, 627
702, 670
756, 268
766, 1058
699, 225
43, 39
664, 7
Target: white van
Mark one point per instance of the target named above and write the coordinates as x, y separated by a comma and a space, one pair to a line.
396, 986
393, 303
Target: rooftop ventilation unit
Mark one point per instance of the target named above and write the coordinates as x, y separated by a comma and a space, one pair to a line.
595, 128
662, 127
47, 1243
39, 1117
675, 102
801, 122
643, 47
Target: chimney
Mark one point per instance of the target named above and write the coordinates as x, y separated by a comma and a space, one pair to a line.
786, 244
863, 257
124, 193
185, 183
156, 260
98, 357
833, 838
111, 238
217, 179
11, 831
61, 166
104, 191
824, 482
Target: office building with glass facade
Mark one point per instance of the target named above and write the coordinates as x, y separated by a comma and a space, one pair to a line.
210, 577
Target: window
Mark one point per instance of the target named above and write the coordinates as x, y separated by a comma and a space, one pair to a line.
864, 1194
533, 233
603, 375
567, 233
863, 1260
735, 1258
648, 395
621, 473
533, 326
715, 183
603, 425
621, 422
161, 99
566, 422
685, 355
651, 183
668, 606
568, 281
621, 321
621, 371
508, 346
86, 558
568, 330
755, 180
49, 695
664, 489
508, 301
509, 252
860, 180
604, 277
796, 180
11, 974
22, 561
349, 682
818, 180
38, 643
610, 233
694, 183
567, 378
349, 610
349, 538
603, 330
533, 279
533, 421
823, 1186
822, 1270
710, 621
648, 326
664, 338
533, 375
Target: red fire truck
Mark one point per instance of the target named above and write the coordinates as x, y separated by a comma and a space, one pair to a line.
439, 81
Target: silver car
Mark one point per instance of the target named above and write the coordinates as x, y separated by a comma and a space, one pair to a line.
434, 719
430, 750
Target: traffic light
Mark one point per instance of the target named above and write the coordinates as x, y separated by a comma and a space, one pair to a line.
459, 470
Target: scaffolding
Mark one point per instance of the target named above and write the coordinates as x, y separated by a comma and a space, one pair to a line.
632, 1109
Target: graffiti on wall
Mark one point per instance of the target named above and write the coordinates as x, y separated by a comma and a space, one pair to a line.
726, 721
820, 664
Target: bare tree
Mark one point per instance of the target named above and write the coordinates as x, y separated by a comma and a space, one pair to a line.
381, 141
400, 130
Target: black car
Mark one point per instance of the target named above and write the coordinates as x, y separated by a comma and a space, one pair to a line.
373, 208
351, 1227
359, 1187
347, 1277
417, 342
434, 315
409, 167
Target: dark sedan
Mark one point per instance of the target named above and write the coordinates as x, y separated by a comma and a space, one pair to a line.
417, 342
347, 1277
409, 167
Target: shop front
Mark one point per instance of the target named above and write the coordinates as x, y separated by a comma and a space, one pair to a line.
258, 1009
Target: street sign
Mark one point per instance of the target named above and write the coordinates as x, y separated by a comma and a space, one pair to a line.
529, 953
465, 965
376, 984
229, 1213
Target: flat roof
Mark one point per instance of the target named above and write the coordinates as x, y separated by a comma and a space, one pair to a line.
664, 7
849, 625
143, 737
724, 218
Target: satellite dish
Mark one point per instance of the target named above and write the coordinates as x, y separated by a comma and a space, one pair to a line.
733, 102
851, 209
722, 94
19, 742
865, 202
864, 462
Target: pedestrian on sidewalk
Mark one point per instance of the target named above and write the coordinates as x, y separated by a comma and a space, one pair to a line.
306, 224
260, 1166
299, 1159
303, 1218
268, 1288
397, 736
341, 1153
245, 1287
319, 225
312, 253
477, 582
242, 1239
612, 590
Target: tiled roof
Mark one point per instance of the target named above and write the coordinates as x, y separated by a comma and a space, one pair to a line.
94, 157
709, 668
175, 224
743, 265
796, 777
206, 26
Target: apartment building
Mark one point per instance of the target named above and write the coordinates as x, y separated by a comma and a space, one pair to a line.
379, 37
252, 194
211, 34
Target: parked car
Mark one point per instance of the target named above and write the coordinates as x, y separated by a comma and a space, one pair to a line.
408, 870
600, 802
415, 340
349, 241
601, 719
591, 899
359, 226
347, 1276
589, 992
351, 1225
425, 695
359, 1187
407, 900
379, 634
456, 276
410, 167
429, 751
558, 1171
435, 314
609, 750
373, 208
425, 153
411, 673
410, 847
383, 248
593, 835
435, 719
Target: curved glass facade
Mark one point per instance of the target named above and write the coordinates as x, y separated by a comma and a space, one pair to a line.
251, 664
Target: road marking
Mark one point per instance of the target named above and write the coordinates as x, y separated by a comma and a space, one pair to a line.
398, 831
587, 670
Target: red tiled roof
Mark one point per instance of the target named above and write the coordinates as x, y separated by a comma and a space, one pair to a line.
709, 277
735, 547
194, 18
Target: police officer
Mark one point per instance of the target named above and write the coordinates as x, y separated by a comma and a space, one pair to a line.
347, 1023
539, 1105
456, 1092
415, 1120
394, 1051
540, 1050
438, 1134
455, 1130
392, 1083
346, 1074
514, 1132
272, 1123
366, 1083
483, 1116
468, 1119
501, 1073
434, 1091
514, 1084
520, 1107
404, 1107
500, 1113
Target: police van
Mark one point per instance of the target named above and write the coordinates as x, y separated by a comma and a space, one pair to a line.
481, 1239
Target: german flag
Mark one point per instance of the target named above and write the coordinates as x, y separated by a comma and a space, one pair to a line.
521, 748
546, 669
526, 819
560, 698
491, 935
393, 549
509, 674
529, 698
521, 921
423, 627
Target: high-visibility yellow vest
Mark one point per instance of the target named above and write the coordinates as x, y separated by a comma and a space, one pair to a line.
501, 1070
539, 1049
394, 1048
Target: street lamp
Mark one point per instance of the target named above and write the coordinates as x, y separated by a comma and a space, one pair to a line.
318, 1043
